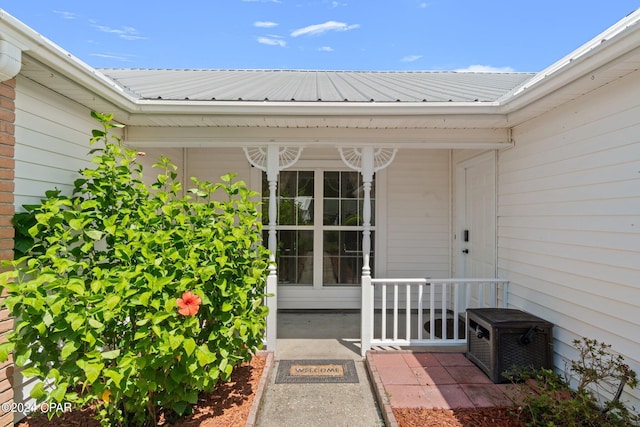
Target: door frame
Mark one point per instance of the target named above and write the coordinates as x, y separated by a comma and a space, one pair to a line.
332, 297
460, 209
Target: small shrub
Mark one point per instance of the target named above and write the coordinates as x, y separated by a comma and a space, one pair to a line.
132, 298
552, 402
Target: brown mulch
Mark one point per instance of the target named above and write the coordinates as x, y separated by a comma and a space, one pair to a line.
474, 417
227, 406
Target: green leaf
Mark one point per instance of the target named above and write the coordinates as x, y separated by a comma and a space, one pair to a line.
91, 370
115, 376
69, 348
89, 204
76, 224
112, 354
94, 234
189, 346
95, 324
180, 407
175, 341
37, 391
112, 301
58, 394
204, 356
76, 286
5, 349
31, 372
227, 306
76, 320
140, 335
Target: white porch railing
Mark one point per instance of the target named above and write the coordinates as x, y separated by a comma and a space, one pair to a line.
404, 312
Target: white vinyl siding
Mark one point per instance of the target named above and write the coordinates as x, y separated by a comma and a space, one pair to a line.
418, 214
569, 220
52, 142
52, 145
206, 164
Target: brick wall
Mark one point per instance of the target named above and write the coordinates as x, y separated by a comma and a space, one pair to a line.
7, 168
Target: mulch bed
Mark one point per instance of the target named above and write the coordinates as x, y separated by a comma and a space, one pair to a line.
227, 406
474, 417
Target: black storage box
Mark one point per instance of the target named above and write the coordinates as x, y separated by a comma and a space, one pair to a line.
499, 339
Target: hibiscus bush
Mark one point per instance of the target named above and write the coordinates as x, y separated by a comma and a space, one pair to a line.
132, 298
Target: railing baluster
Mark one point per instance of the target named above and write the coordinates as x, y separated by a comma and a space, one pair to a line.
395, 311
432, 311
408, 313
456, 309
420, 307
493, 294
444, 311
384, 311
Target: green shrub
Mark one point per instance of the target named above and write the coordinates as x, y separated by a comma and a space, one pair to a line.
552, 402
132, 298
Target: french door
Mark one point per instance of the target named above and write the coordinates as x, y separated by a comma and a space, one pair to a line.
319, 228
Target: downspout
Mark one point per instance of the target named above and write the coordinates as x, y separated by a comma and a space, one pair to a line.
10, 60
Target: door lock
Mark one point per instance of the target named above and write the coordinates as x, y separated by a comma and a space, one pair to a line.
465, 251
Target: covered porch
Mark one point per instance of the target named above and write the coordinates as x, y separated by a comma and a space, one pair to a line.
355, 191
423, 244
316, 257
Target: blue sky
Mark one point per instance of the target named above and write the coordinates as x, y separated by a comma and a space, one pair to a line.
503, 35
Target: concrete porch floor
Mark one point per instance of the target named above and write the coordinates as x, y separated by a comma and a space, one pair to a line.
390, 378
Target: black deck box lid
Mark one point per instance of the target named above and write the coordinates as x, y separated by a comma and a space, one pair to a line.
511, 316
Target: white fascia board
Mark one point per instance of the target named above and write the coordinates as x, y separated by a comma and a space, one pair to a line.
613, 43
270, 108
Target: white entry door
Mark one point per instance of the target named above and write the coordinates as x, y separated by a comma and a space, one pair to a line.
476, 213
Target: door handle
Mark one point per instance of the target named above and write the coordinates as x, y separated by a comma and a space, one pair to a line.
465, 251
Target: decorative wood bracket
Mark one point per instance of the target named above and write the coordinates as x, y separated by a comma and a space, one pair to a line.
258, 156
382, 158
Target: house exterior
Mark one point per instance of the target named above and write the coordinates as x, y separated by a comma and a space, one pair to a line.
531, 178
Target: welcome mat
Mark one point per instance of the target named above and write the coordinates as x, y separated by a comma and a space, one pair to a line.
316, 371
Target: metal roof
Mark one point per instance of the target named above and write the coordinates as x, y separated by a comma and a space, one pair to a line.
316, 86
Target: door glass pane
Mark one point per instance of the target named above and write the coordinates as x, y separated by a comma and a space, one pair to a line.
294, 195
344, 198
296, 200
342, 257
295, 256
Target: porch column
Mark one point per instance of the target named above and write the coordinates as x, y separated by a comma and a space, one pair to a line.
272, 160
367, 161
272, 279
367, 179
272, 178
367, 291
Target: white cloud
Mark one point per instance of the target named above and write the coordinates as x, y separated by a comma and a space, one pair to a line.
66, 15
322, 28
127, 33
121, 58
411, 58
272, 41
265, 24
325, 49
485, 69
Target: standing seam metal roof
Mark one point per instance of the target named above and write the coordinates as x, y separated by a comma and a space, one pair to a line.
316, 86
